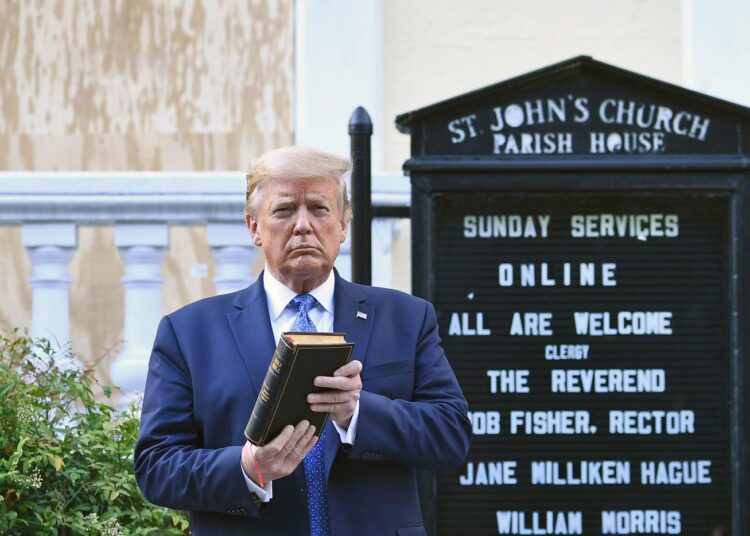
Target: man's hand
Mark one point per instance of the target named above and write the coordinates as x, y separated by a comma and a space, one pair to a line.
342, 393
281, 456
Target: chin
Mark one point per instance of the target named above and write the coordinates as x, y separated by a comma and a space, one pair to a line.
308, 268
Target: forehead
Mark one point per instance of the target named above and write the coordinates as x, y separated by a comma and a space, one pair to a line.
298, 187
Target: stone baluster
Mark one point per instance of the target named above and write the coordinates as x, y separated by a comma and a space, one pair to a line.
142, 248
234, 255
50, 247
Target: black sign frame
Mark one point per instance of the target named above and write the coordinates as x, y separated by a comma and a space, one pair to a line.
724, 173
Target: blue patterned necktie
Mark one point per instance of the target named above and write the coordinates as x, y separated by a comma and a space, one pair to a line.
317, 499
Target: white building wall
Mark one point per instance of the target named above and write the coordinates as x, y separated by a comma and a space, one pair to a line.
716, 48
338, 66
436, 49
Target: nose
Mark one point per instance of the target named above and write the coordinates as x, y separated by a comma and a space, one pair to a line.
302, 221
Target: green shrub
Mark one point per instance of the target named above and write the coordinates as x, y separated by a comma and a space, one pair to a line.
66, 459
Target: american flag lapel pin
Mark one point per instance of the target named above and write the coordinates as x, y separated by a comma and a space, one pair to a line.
361, 315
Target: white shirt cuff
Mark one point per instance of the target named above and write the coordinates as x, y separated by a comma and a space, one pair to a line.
264, 494
348, 436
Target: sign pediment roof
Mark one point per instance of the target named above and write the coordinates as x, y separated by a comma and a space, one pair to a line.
580, 107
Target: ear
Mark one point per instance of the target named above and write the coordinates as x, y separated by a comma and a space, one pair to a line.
252, 226
344, 230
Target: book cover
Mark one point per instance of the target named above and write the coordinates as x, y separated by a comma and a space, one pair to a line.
299, 358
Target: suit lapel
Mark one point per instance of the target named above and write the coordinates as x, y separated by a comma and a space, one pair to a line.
354, 317
251, 328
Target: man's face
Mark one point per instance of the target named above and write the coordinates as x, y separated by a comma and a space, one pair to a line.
298, 224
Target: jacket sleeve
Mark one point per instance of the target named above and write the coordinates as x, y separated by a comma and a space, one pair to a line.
429, 431
171, 468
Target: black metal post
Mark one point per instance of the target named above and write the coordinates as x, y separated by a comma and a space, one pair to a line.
360, 132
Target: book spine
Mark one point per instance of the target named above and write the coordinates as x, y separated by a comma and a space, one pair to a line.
270, 393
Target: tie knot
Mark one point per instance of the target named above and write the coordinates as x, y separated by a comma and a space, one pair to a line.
304, 302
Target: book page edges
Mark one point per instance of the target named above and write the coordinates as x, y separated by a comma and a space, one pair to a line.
313, 339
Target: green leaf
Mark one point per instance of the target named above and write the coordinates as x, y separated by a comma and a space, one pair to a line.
16, 456
57, 462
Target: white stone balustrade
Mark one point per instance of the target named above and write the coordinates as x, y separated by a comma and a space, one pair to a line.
49, 207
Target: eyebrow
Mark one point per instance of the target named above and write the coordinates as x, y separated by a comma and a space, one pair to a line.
318, 198
286, 197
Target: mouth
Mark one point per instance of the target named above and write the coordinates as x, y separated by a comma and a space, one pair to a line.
304, 250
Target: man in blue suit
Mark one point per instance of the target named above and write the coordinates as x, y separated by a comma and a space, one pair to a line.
395, 407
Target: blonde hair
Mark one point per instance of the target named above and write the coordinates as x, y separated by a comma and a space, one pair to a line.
297, 163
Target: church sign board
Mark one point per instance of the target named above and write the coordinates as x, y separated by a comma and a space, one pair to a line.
583, 233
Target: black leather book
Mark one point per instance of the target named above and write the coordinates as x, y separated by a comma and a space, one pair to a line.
299, 358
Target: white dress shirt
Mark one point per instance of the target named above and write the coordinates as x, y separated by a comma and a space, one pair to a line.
282, 315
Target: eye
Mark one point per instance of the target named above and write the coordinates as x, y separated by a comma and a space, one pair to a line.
281, 211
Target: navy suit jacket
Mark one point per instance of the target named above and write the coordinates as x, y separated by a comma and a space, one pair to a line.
207, 365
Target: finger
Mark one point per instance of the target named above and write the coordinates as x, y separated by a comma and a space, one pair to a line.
332, 408
299, 431
330, 396
278, 442
310, 444
342, 383
306, 437
337, 396
333, 397
352, 368
298, 452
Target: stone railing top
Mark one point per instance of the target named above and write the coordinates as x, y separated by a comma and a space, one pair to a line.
175, 197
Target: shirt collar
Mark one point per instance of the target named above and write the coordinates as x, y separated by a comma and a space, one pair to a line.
279, 295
